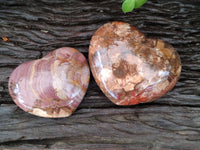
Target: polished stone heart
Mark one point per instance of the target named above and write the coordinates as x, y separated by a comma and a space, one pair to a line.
52, 86
130, 68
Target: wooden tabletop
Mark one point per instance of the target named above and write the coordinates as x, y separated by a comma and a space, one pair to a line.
32, 28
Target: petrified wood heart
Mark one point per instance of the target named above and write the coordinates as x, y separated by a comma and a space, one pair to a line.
130, 68
52, 86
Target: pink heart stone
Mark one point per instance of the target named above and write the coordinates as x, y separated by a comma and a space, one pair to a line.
130, 68
52, 86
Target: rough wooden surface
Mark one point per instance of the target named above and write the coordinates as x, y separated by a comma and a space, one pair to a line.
35, 27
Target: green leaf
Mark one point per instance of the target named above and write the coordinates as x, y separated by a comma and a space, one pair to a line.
139, 3
128, 5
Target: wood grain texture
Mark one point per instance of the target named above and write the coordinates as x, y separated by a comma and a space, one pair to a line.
143, 127
36, 27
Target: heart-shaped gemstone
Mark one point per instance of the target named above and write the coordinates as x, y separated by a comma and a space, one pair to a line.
52, 86
130, 68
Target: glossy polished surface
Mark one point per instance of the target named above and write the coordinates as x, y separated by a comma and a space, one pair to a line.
52, 86
130, 68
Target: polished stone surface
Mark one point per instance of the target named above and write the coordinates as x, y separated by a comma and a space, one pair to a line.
130, 68
52, 86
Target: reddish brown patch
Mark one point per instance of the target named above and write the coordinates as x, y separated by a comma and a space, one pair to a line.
120, 70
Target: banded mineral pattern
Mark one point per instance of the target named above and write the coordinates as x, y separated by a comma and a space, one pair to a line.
130, 68
52, 86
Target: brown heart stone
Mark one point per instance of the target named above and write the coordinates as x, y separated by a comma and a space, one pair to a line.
130, 68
